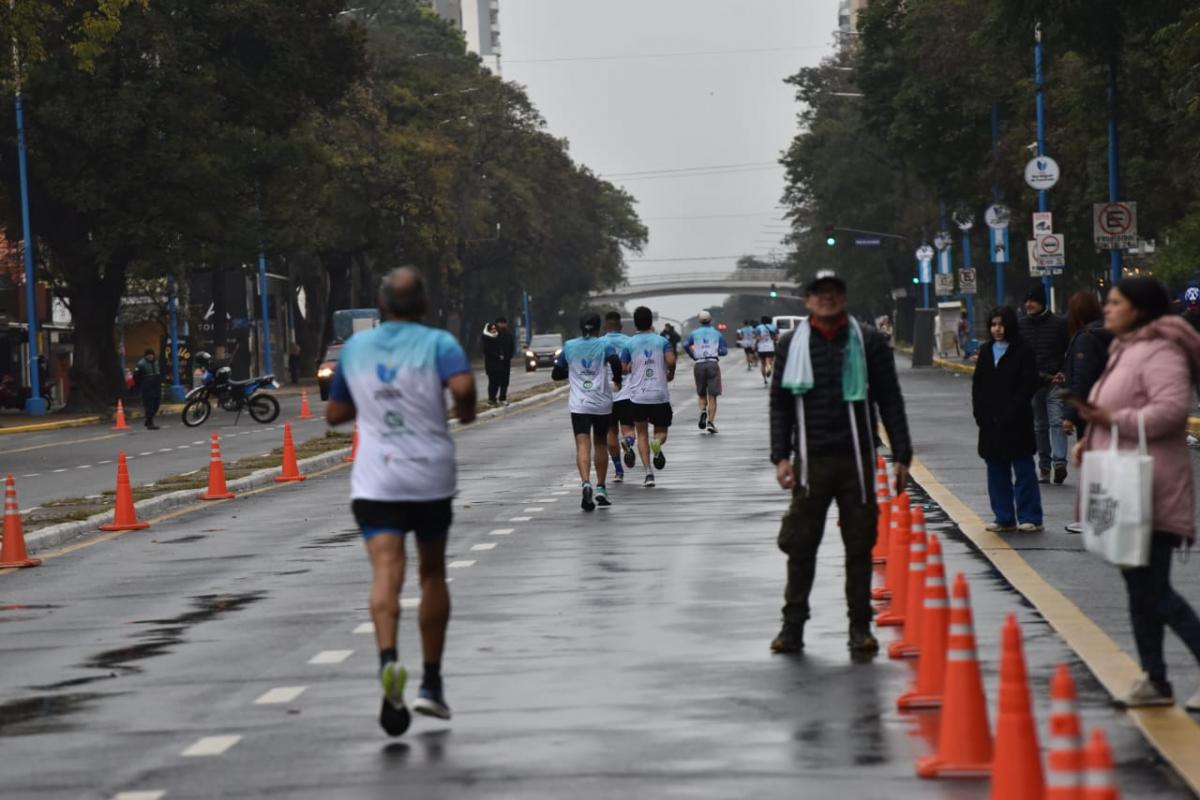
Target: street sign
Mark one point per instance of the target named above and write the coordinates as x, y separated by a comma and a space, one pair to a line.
1043, 223
867, 241
999, 245
1042, 173
1035, 269
963, 218
1114, 225
942, 240
1051, 253
945, 283
997, 216
967, 284
925, 253
926, 270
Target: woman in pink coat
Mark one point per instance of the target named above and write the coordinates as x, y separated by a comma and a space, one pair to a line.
1153, 369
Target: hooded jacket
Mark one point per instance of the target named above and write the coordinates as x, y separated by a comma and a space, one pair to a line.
1086, 358
498, 349
1153, 371
1046, 333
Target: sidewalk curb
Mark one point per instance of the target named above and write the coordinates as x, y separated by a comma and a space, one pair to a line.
57, 535
78, 422
968, 369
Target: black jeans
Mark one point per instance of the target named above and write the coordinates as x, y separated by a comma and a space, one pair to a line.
498, 383
150, 404
1154, 606
830, 478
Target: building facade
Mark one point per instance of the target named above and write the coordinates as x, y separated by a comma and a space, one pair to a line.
848, 12
479, 20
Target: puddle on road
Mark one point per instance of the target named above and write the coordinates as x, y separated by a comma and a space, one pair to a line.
182, 539
11, 612
339, 539
158, 640
45, 714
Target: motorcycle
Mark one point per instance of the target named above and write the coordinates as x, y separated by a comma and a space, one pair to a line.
231, 395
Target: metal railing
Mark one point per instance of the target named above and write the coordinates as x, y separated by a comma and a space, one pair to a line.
737, 276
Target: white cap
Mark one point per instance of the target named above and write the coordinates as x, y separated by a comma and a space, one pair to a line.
704, 317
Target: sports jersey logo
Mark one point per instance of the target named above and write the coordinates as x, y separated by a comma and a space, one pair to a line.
387, 372
585, 363
1192, 296
649, 353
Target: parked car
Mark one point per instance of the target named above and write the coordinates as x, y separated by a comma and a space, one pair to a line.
786, 323
326, 367
543, 350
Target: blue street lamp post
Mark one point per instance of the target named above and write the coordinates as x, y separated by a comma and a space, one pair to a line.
177, 392
266, 324
1040, 84
1114, 175
996, 201
35, 405
968, 297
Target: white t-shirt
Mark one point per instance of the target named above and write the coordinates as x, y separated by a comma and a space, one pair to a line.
590, 377
618, 341
646, 355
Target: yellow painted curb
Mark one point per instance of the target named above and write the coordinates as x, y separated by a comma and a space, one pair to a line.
1170, 731
78, 422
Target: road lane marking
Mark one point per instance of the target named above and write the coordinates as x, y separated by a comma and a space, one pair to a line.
105, 461
532, 510
559, 494
84, 466
184, 447
211, 746
484, 546
71, 443
546, 500
56, 471
197, 443
520, 519
32, 475
146, 454
1171, 732
165, 449
501, 532
410, 602
460, 564
151, 795
281, 694
364, 627
331, 657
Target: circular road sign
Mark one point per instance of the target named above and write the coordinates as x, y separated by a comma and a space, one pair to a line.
1115, 219
997, 216
1042, 173
1050, 244
942, 240
924, 253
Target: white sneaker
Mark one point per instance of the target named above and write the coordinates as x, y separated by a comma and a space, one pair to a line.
1193, 703
1030, 527
1144, 694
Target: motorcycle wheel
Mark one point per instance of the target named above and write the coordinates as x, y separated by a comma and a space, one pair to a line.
196, 412
263, 408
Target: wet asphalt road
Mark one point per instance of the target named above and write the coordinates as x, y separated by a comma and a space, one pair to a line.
618, 654
75, 462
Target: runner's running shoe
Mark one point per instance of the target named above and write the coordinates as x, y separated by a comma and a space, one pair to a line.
703, 420
588, 504
712, 428
630, 456
393, 716
648, 483
660, 460
618, 470
602, 497
431, 704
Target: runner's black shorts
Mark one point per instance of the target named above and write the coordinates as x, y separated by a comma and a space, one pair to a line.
657, 414
429, 520
594, 424
623, 413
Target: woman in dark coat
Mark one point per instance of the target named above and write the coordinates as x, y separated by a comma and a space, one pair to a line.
1087, 356
1006, 378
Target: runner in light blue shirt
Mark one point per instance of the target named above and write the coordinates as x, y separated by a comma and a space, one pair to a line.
706, 345
621, 430
649, 363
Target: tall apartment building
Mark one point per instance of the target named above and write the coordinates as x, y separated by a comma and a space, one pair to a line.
479, 21
848, 11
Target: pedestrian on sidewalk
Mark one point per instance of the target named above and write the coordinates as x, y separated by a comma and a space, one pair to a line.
1002, 390
830, 378
1086, 357
498, 349
1153, 369
147, 377
1046, 333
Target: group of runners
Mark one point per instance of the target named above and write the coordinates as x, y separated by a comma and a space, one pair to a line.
758, 342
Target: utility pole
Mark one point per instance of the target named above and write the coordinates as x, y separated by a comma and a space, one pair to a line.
1040, 84
1114, 175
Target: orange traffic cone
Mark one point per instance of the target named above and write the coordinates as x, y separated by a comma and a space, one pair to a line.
12, 546
899, 520
931, 669
121, 425
882, 529
1017, 763
124, 514
909, 644
217, 490
291, 470
1098, 765
964, 741
897, 566
1064, 761
305, 411
353, 447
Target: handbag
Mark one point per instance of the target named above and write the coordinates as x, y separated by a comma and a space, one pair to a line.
1118, 501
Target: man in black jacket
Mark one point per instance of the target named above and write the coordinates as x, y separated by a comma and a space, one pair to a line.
1046, 333
816, 415
498, 349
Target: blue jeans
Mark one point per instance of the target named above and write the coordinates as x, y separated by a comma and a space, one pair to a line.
1154, 605
1047, 424
1027, 498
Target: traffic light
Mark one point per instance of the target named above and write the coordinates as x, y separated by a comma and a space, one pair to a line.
721, 326
774, 291
916, 280
830, 236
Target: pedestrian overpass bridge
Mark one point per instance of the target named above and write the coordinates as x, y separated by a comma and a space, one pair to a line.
742, 281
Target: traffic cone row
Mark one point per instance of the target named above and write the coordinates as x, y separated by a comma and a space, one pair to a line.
935, 625
909, 644
12, 546
124, 513
883, 496
896, 585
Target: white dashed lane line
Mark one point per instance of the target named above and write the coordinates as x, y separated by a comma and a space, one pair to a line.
484, 546
106, 461
211, 746
145, 454
32, 475
559, 494
546, 500
84, 466
460, 564
57, 471
409, 602
364, 627
281, 694
520, 519
532, 510
152, 795
331, 657
197, 443
501, 532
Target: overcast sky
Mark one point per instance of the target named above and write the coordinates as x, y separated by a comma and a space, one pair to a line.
587, 66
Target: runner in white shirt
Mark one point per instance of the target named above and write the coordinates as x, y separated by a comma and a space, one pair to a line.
393, 379
649, 363
621, 429
591, 364
764, 338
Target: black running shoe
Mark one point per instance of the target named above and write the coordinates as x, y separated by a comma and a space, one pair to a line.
602, 497
648, 482
588, 504
660, 460
703, 420
862, 640
789, 640
394, 717
630, 455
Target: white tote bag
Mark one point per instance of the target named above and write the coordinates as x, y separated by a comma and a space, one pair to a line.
1118, 502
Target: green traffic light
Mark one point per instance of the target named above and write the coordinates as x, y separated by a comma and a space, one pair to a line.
831, 241
916, 281
774, 294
